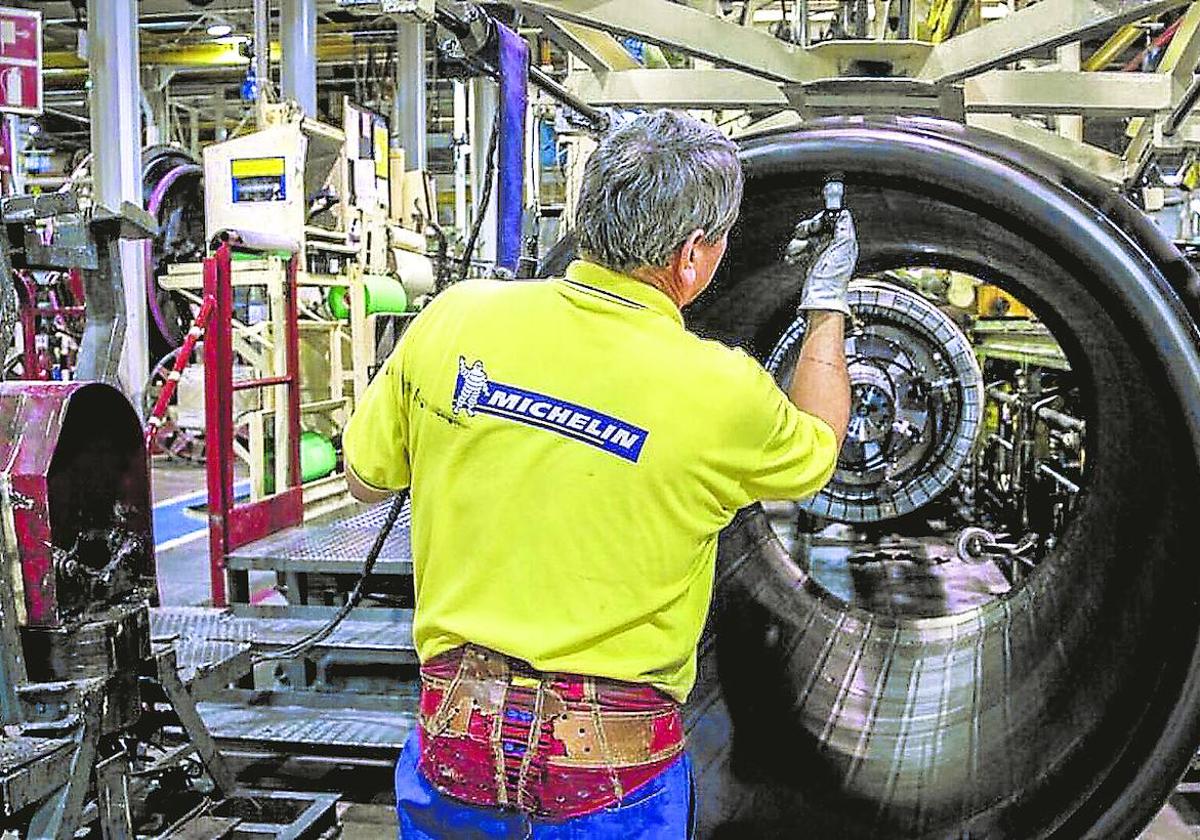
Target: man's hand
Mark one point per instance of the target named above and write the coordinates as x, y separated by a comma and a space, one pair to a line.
831, 270
820, 382
798, 251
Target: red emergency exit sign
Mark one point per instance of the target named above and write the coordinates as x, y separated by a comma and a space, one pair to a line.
20, 61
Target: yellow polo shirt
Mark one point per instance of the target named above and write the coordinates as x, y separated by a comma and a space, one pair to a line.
573, 453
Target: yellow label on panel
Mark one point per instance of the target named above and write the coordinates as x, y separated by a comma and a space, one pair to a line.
381, 152
257, 167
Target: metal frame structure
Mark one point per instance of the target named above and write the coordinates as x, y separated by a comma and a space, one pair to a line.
232, 525
960, 77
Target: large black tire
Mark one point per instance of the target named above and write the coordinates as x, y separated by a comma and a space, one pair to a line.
1067, 708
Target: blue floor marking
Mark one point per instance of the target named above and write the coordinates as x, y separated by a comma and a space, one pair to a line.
172, 519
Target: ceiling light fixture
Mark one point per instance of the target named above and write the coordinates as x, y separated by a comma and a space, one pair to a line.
218, 27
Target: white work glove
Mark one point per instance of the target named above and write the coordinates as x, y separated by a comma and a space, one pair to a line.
832, 268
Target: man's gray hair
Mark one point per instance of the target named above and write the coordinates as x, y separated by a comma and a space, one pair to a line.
649, 184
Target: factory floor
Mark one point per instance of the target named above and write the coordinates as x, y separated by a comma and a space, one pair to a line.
907, 577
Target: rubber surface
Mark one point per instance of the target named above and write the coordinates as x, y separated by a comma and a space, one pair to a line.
1064, 709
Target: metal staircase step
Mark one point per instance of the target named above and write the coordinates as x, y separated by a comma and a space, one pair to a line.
390, 640
204, 664
334, 544
296, 729
30, 769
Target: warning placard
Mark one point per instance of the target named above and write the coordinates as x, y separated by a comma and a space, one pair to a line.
259, 179
20, 61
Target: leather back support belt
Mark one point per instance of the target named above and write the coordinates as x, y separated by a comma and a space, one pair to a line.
498, 733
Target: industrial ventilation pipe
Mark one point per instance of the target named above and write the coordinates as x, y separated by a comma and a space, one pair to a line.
1068, 707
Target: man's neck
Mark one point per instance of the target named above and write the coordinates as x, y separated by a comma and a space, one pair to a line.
661, 279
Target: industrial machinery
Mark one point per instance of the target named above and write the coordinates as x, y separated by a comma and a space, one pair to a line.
1061, 703
101, 728
917, 401
1063, 706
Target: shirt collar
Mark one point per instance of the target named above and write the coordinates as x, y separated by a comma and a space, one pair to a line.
629, 289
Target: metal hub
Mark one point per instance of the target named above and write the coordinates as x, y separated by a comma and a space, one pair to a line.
916, 400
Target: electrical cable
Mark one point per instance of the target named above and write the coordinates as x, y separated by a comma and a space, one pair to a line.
356, 595
489, 173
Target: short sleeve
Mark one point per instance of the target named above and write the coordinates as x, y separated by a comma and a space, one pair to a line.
375, 441
781, 451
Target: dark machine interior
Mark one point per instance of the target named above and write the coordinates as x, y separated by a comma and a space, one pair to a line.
99, 504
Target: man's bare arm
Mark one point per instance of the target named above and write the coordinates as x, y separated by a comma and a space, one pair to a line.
820, 382
362, 491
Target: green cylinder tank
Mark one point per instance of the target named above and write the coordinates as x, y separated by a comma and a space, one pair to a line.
383, 294
318, 458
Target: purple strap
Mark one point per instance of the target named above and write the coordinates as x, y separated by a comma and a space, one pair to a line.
514, 98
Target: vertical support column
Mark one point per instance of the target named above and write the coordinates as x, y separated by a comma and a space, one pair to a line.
298, 39
117, 162
262, 56
156, 106
485, 102
16, 161
408, 108
461, 154
1070, 125
194, 132
220, 132
218, 415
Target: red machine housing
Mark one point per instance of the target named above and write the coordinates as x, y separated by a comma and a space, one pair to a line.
75, 479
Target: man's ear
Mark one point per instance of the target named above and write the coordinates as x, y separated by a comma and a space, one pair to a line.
683, 264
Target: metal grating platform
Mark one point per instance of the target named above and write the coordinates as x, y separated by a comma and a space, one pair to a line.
307, 730
30, 769
333, 544
18, 751
202, 662
390, 639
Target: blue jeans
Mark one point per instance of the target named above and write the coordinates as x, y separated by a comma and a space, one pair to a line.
662, 809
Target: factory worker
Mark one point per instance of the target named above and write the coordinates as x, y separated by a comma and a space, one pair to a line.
573, 452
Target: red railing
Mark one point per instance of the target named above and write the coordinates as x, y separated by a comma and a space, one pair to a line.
231, 525
155, 421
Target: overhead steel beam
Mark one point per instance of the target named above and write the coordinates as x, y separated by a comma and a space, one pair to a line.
204, 55
600, 51
1181, 55
1177, 64
698, 89
856, 57
1111, 50
1065, 92
1040, 26
1103, 164
695, 33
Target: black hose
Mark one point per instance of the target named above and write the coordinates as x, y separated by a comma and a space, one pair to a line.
481, 206
356, 595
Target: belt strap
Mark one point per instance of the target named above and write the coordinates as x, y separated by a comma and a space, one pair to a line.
536, 727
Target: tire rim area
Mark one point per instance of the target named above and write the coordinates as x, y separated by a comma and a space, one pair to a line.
1063, 708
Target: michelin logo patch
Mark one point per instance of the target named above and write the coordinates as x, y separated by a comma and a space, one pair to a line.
475, 394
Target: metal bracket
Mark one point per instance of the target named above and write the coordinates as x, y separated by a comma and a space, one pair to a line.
419, 10
58, 817
193, 725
